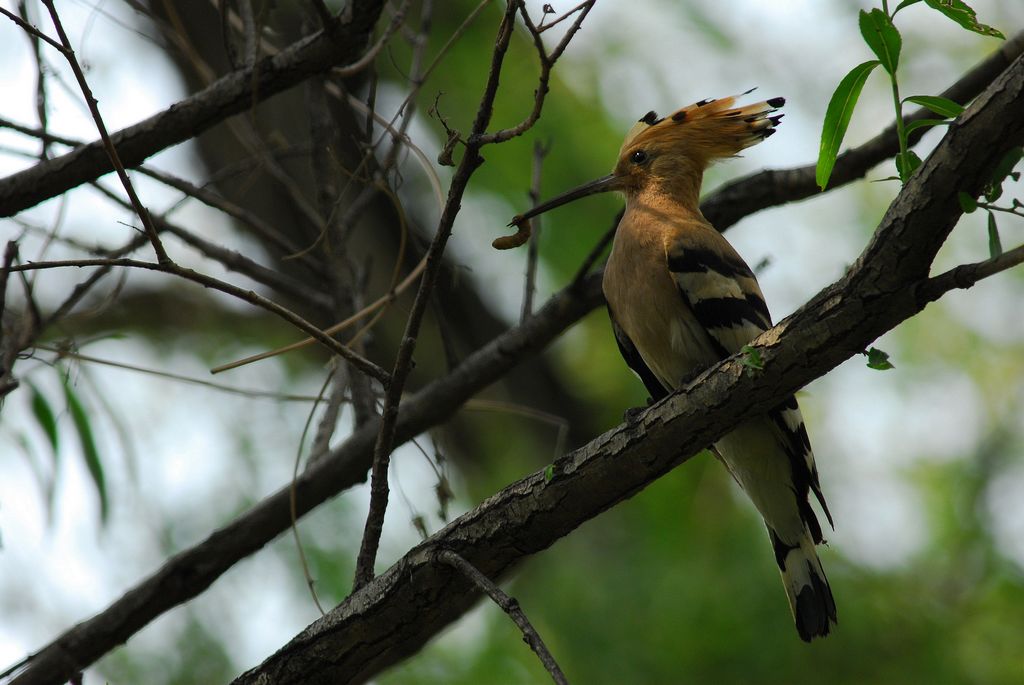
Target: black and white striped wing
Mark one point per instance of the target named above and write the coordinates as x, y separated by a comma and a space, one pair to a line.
722, 293
724, 296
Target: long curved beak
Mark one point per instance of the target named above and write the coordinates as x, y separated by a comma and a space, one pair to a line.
600, 185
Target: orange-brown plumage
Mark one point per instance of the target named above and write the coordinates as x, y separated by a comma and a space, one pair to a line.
680, 298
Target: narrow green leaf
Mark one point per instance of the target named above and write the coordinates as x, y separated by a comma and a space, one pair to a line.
905, 3
89, 452
940, 105
907, 164
882, 37
549, 473
961, 13
995, 245
44, 415
994, 189
837, 119
879, 360
967, 203
922, 123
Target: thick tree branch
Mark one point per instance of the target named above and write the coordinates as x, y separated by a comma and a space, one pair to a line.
404, 607
234, 93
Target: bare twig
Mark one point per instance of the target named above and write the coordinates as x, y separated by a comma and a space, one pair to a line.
371, 54
29, 28
157, 373
547, 62
115, 159
364, 365
542, 27
235, 260
203, 194
532, 254
42, 101
324, 432
374, 306
186, 119
12, 339
966, 275
10, 254
403, 362
249, 32
83, 288
511, 607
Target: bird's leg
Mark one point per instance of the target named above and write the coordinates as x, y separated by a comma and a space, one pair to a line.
632, 415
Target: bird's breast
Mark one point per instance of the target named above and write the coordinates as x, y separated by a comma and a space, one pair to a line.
647, 305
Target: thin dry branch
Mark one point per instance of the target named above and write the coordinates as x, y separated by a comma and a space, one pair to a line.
32, 30
533, 250
231, 94
403, 361
361, 363
108, 145
967, 275
547, 63
511, 607
234, 260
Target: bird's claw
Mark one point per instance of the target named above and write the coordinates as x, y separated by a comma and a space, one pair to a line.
632, 415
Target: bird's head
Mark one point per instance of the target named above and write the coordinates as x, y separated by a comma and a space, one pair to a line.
672, 152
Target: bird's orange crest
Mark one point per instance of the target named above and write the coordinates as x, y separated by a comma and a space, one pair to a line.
707, 130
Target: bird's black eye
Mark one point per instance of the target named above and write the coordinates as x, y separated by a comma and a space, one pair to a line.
638, 157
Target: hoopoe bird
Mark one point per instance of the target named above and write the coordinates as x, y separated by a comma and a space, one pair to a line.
681, 298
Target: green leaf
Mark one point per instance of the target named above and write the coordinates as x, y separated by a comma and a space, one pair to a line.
752, 358
837, 119
905, 3
940, 105
89, 452
44, 415
961, 13
1004, 168
921, 123
995, 245
549, 473
882, 37
906, 164
967, 203
879, 360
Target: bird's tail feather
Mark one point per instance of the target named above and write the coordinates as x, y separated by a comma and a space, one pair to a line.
810, 597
